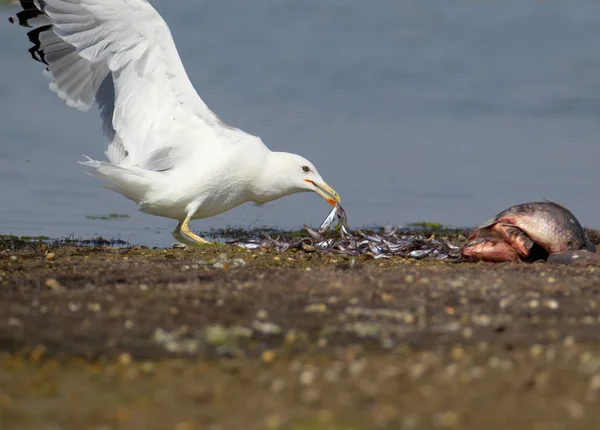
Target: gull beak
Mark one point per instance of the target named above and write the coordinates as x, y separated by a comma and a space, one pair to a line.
325, 191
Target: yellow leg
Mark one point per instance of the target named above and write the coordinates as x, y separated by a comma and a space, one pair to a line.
182, 231
180, 237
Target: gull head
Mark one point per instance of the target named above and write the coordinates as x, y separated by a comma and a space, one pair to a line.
284, 174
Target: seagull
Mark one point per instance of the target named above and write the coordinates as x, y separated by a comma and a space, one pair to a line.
167, 151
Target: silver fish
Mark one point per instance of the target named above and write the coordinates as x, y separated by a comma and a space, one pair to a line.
342, 219
325, 225
420, 253
315, 235
248, 245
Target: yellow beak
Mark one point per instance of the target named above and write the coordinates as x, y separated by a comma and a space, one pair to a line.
325, 191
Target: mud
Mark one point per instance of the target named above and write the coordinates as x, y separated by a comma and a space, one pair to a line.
221, 337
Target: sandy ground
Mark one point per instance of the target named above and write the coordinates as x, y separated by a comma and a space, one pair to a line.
226, 338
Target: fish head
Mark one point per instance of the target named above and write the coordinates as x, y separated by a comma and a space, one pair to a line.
490, 249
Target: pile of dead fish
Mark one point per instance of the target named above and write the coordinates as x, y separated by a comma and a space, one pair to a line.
527, 232
390, 243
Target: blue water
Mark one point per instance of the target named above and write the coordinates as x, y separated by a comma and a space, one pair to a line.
435, 110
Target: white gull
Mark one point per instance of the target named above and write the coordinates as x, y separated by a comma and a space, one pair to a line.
167, 151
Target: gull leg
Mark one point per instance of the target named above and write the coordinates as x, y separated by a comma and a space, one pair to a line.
183, 230
180, 237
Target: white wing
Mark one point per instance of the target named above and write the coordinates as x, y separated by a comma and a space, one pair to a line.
120, 54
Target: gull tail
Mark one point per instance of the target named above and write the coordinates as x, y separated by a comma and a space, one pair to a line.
133, 183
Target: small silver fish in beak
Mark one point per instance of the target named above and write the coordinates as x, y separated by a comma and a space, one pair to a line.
341, 214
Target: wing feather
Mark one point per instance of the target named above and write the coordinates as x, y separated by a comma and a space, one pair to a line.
120, 54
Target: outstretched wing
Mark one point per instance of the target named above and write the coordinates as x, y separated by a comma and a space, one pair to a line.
120, 55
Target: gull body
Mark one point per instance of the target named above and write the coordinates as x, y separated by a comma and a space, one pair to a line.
167, 151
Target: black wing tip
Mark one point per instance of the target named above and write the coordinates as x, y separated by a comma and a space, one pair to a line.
36, 51
29, 12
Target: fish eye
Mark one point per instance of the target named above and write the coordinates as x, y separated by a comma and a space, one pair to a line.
306, 169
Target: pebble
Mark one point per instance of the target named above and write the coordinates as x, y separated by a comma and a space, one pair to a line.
268, 356
417, 370
498, 363
387, 343
307, 377
594, 384
316, 307
458, 353
387, 297
574, 409
308, 248
504, 303
14, 322
536, 350
482, 320
267, 328
239, 262
552, 304
456, 283
533, 304
94, 307
262, 315
216, 334
356, 367
38, 352
476, 373
74, 306
125, 359
148, 367
291, 337
53, 284
588, 320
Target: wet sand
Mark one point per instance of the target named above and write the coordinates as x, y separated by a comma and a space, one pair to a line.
223, 338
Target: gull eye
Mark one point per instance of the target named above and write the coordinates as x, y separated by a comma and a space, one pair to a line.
306, 169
